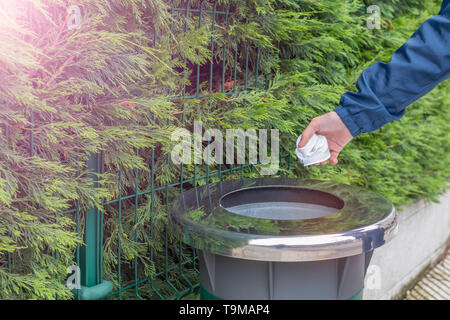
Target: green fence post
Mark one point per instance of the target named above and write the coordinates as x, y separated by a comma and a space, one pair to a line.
92, 285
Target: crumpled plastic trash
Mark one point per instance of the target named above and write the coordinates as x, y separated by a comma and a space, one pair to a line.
316, 150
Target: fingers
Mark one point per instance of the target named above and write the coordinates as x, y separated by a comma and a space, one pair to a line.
320, 163
334, 157
308, 133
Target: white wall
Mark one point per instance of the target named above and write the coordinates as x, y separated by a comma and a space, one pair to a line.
424, 229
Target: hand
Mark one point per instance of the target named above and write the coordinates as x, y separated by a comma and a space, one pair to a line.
331, 126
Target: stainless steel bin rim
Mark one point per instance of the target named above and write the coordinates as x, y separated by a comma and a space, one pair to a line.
362, 221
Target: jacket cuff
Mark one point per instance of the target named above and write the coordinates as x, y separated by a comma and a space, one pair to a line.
351, 125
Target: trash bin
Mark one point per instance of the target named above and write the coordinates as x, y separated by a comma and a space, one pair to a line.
282, 238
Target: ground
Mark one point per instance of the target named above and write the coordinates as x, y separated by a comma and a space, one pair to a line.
434, 285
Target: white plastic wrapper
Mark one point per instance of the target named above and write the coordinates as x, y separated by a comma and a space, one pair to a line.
316, 150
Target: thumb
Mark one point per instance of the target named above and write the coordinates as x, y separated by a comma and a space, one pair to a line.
310, 130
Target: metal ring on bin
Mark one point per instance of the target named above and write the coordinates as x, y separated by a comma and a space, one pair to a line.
361, 221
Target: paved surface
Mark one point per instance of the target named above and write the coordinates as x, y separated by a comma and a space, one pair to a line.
435, 285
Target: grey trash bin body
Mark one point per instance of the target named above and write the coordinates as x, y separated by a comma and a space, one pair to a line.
282, 238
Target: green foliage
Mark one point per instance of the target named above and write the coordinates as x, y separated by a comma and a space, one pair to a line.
404, 160
118, 85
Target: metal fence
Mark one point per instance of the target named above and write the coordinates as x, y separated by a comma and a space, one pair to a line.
174, 276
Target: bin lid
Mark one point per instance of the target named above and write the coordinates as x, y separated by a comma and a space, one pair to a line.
283, 219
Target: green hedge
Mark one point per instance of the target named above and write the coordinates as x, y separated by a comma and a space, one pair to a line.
109, 87
404, 160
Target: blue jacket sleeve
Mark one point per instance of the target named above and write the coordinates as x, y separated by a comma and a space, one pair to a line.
386, 89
